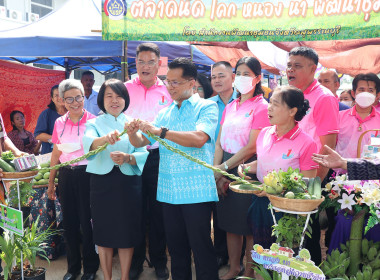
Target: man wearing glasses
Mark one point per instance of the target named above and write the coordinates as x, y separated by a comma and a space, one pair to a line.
148, 95
186, 189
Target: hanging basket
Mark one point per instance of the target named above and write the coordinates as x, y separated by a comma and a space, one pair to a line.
298, 205
18, 175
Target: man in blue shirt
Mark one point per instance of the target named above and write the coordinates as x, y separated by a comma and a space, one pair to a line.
329, 79
91, 96
186, 189
222, 77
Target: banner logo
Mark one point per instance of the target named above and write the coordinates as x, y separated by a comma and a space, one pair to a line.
115, 9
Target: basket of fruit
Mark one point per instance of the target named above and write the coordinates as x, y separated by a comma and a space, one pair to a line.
253, 188
290, 191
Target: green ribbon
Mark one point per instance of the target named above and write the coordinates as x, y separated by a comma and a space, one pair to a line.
167, 146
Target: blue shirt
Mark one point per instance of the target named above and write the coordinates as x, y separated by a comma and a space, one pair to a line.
91, 103
181, 181
343, 107
102, 163
45, 124
221, 107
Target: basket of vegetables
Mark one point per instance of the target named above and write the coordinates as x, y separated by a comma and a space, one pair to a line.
9, 171
288, 190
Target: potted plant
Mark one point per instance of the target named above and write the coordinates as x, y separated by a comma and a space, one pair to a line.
360, 199
8, 253
26, 196
289, 230
31, 244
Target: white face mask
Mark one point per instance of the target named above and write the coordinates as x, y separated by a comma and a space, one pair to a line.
243, 84
365, 99
347, 102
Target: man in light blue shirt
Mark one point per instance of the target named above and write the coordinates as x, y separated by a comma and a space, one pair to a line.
222, 77
91, 96
186, 189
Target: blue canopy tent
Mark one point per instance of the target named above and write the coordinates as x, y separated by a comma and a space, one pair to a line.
71, 38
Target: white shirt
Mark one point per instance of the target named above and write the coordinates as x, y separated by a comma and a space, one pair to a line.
91, 103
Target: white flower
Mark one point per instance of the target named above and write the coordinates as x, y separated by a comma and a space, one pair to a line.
378, 214
347, 201
337, 189
367, 198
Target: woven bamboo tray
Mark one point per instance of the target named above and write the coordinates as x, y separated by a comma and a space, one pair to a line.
234, 186
300, 205
17, 175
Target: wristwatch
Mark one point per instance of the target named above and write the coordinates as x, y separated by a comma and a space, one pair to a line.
163, 132
225, 165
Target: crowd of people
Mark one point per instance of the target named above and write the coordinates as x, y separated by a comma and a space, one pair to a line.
136, 191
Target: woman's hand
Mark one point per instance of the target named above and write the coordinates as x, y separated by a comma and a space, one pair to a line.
241, 170
132, 127
119, 157
112, 137
331, 160
222, 186
261, 194
51, 191
218, 175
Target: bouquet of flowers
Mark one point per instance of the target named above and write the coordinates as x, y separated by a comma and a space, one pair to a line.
354, 196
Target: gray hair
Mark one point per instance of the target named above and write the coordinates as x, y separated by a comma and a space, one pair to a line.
68, 84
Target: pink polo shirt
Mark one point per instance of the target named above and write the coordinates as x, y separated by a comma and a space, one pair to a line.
293, 149
238, 121
146, 103
377, 107
349, 131
65, 131
323, 116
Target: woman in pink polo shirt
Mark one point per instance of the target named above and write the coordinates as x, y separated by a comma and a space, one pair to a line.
74, 182
363, 116
241, 123
282, 145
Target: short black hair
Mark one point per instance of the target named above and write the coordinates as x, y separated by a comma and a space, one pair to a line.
220, 63
293, 97
305, 52
188, 67
89, 73
148, 47
370, 77
255, 67
204, 81
118, 87
12, 115
51, 105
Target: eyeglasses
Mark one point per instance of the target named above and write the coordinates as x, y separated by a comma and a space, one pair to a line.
174, 84
198, 89
70, 100
296, 66
150, 63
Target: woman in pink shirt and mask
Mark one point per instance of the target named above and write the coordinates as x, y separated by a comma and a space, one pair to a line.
241, 123
282, 145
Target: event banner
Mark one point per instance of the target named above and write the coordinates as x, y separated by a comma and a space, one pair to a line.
11, 219
240, 20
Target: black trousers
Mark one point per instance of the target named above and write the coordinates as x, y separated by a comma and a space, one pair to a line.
188, 229
74, 195
220, 236
152, 217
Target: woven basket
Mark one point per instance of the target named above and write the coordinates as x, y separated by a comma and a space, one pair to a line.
298, 205
234, 186
17, 175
